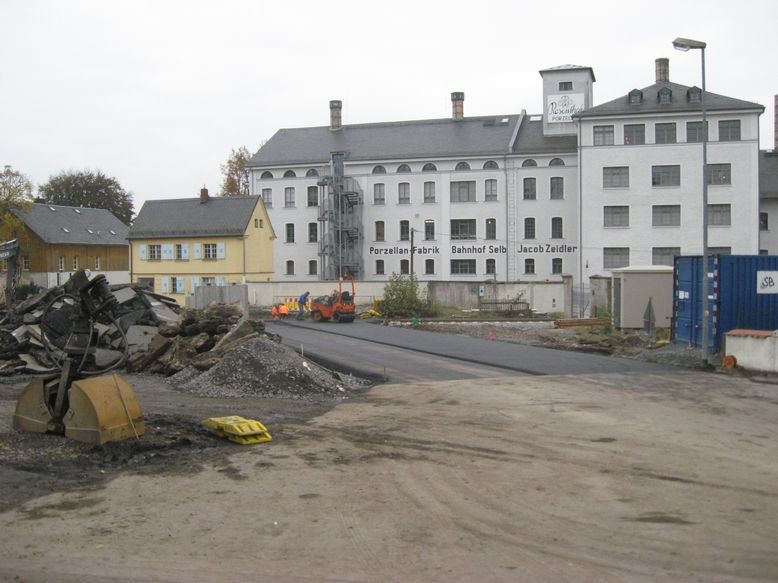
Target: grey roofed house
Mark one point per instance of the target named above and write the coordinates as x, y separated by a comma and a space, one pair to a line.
433, 138
768, 174
679, 102
68, 225
190, 217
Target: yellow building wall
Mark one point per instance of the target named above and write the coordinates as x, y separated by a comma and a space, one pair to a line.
246, 258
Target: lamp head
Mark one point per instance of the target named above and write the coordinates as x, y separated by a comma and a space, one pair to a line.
684, 44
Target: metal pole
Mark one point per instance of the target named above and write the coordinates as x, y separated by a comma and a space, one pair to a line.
704, 277
412, 230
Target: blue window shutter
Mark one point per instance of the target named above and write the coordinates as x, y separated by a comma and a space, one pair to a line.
198, 251
221, 250
179, 285
195, 282
220, 280
165, 281
185, 251
143, 252
167, 252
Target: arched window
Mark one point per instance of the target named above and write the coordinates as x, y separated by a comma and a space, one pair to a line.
379, 170
429, 167
556, 162
266, 175
403, 169
462, 166
528, 162
312, 172
490, 165
290, 174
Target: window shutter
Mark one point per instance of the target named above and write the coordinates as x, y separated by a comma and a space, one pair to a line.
143, 252
165, 281
198, 251
185, 251
167, 252
221, 250
179, 285
195, 282
220, 280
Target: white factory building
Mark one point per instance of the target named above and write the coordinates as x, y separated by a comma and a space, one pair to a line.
577, 190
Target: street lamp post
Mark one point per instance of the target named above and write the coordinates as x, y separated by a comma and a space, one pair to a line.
685, 44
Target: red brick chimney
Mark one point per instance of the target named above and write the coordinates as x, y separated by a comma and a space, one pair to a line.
203, 195
457, 105
662, 70
336, 106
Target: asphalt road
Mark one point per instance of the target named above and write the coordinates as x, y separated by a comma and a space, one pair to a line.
402, 354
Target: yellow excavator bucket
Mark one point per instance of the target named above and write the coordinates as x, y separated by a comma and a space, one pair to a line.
32, 414
98, 409
102, 409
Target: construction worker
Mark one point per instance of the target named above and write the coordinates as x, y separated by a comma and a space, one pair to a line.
283, 311
301, 302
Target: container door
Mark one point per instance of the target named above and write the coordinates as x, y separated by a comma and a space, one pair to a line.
688, 301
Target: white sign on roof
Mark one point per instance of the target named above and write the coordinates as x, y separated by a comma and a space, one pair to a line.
562, 107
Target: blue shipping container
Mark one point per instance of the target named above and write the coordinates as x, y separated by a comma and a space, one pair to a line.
742, 293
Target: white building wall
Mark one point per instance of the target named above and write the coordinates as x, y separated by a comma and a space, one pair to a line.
640, 236
768, 239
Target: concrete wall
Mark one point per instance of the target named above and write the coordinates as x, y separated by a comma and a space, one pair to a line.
543, 297
753, 349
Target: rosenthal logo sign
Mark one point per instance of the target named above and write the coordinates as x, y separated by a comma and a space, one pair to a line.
767, 282
562, 107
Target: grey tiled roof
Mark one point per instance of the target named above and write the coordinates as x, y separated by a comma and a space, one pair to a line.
768, 174
187, 217
435, 138
679, 103
532, 141
67, 225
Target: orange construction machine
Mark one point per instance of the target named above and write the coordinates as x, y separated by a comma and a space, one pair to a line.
338, 306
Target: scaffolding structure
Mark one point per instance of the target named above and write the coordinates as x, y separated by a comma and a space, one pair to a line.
340, 220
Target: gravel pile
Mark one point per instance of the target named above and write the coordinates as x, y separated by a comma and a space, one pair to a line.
261, 367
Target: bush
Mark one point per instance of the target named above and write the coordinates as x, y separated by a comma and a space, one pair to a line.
402, 297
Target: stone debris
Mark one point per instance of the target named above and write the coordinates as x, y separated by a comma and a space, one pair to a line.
214, 352
22, 346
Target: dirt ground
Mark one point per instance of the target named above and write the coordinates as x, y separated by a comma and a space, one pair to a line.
637, 477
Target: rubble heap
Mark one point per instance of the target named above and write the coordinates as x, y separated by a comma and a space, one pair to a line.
22, 348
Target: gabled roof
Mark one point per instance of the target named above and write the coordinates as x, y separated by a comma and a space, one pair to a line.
532, 141
768, 174
188, 217
68, 225
679, 103
433, 138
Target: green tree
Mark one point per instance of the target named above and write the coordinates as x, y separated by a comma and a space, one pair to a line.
15, 191
89, 189
236, 173
402, 297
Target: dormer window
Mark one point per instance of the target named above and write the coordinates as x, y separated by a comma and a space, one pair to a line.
694, 95
635, 97
665, 95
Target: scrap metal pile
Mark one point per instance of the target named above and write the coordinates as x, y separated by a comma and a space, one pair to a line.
32, 330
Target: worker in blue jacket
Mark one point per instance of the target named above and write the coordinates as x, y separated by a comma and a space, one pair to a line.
301, 302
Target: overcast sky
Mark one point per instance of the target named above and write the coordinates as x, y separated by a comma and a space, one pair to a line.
157, 93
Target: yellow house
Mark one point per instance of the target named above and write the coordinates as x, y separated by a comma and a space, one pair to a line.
178, 244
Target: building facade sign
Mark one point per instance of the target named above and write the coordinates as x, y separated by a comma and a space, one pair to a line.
561, 108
